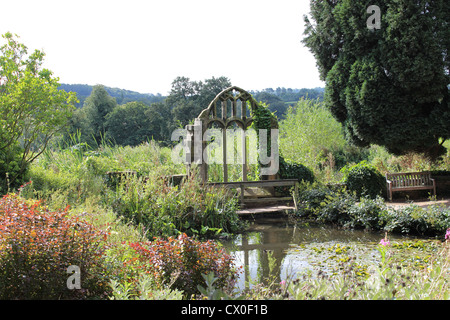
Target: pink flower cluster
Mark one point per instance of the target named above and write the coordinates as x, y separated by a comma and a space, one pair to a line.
447, 234
385, 242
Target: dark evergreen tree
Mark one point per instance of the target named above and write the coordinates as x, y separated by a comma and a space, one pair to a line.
387, 86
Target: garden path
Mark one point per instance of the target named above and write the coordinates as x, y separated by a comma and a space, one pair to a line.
419, 202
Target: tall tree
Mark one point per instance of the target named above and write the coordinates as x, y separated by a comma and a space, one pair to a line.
188, 98
133, 123
96, 108
387, 86
32, 108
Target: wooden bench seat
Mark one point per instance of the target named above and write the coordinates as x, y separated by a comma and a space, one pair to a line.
409, 181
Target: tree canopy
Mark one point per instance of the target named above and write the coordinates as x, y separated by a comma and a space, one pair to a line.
188, 98
387, 86
133, 123
32, 108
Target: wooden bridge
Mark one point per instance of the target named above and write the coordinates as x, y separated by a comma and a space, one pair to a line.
258, 197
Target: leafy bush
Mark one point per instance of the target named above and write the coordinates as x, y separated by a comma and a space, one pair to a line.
37, 246
292, 170
416, 220
349, 154
335, 208
364, 179
344, 209
366, 213
309, 132
166, 210
183, 261
311, 196
11, 173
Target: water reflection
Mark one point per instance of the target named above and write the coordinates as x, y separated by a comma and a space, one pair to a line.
275, 250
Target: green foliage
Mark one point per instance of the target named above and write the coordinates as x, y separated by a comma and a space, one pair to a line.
96, 107
211, 292
292, 170
342, 208
366, 214
364, 179
122, 96
335, 208
188, 98
264, 119
274, 103
166, 210
280, 99
143, 289
371, 80
183, 261
10, 167
133, 123
37, 247
349, 154
31, 106
308, 133
416, 220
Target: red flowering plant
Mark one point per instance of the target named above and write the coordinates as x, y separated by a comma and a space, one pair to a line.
182, 261
37, 246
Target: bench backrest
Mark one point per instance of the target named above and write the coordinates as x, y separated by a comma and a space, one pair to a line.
409, 179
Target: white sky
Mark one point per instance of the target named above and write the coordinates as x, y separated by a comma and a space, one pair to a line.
144, 45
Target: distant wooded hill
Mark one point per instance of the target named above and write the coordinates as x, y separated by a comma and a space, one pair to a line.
122, 96
278, 99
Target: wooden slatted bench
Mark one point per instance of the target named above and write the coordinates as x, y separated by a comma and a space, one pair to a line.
242, 185
409, 181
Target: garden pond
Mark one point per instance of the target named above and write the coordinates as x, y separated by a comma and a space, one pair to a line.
274, 249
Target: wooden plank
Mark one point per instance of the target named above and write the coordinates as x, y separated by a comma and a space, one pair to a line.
224, 154
405, 173
266, 199
411, 188
261, 183
267, 209
244, 155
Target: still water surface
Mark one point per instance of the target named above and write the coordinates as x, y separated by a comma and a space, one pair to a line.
296, 249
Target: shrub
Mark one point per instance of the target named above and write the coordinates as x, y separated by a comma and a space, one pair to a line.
182, 261
167, 210
349, 154
11, 173
416, 220
37, 246
308, 132
292, 170
344, 209
335, 208
366, 213
364, 179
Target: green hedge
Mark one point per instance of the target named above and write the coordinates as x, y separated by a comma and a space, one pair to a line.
364, 179
292, 170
